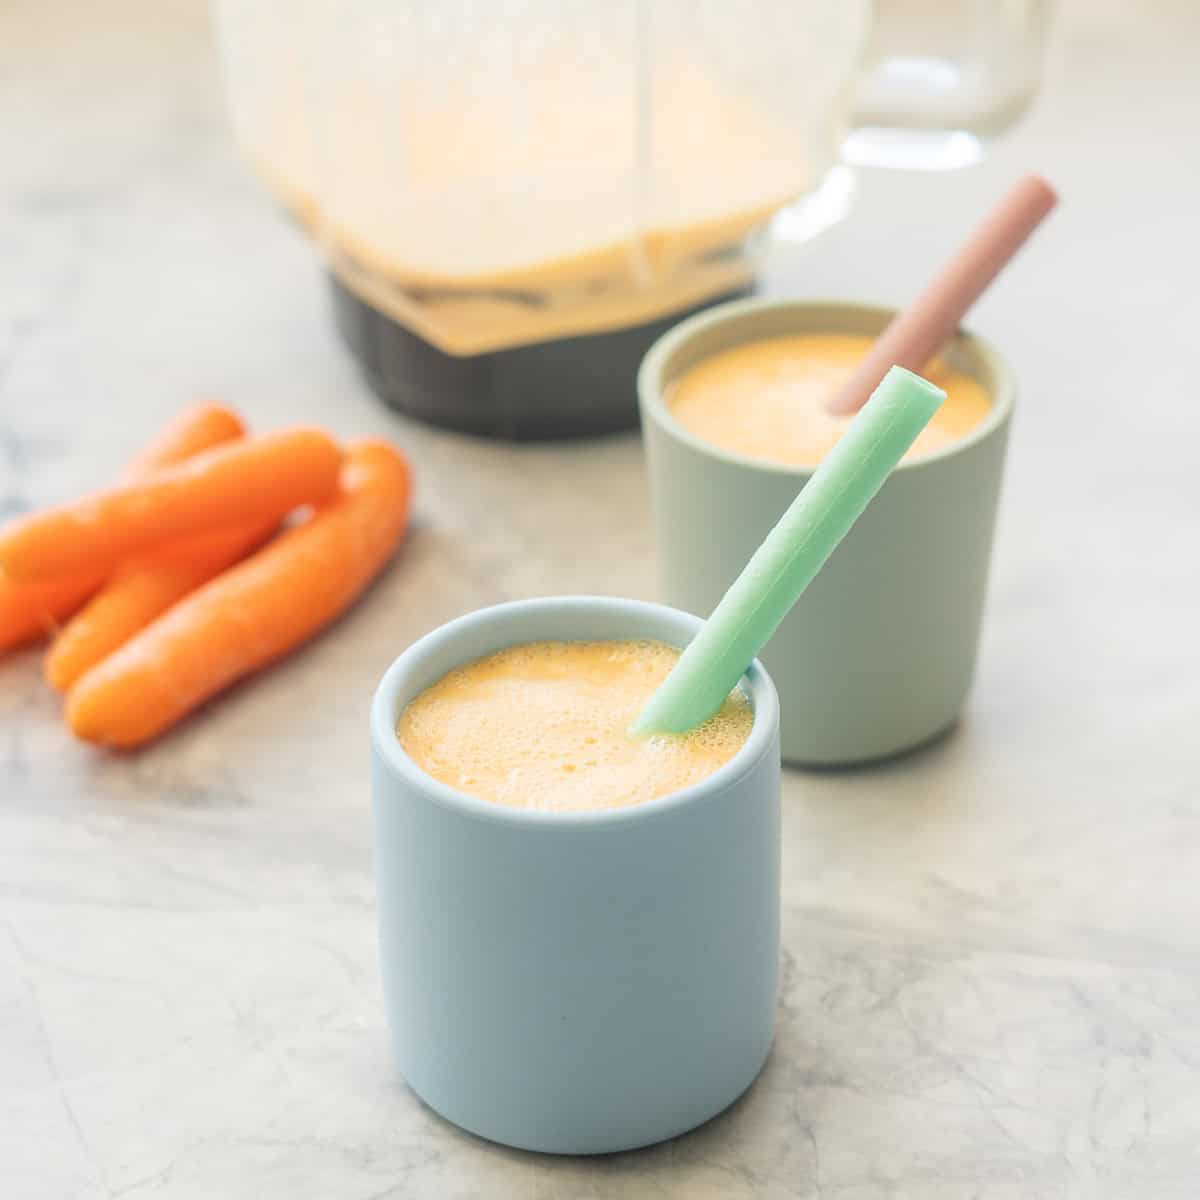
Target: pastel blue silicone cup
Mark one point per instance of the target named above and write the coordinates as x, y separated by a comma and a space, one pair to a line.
577, 982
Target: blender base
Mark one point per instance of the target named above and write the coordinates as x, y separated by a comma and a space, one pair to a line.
570, 387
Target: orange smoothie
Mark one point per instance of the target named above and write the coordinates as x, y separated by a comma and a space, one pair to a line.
767, 399
545, 726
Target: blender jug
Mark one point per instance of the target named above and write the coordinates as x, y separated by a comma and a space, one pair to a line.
513, 198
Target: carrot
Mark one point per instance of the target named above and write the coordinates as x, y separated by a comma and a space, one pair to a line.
254, 613
251, 479
139, 591
197, 428
29, 611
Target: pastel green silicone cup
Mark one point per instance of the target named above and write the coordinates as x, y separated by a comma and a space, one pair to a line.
878, 655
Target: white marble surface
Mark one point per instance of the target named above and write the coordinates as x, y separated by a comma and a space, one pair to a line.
992, 983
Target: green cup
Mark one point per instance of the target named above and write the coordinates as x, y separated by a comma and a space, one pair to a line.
877, 656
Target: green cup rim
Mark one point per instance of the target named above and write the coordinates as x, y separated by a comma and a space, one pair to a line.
651, 389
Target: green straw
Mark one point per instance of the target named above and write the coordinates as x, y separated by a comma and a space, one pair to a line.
792, 554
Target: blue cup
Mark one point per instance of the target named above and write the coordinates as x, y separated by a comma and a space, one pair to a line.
577, 982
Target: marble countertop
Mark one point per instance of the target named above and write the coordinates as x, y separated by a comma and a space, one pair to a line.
992, 962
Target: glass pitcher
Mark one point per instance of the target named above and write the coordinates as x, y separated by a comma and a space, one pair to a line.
490, 177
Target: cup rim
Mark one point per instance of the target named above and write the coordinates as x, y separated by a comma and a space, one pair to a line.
386, 703
653, 400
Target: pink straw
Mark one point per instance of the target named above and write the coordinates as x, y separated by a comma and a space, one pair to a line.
916, 334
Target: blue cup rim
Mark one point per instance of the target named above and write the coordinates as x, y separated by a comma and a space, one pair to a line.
410, 673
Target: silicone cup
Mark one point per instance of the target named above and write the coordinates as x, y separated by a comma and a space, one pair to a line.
917, 559
577, 982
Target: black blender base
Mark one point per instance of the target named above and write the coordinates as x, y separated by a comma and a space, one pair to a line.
571, 387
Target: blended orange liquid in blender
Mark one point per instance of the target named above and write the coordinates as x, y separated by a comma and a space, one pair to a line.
480, 230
